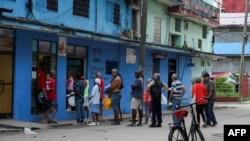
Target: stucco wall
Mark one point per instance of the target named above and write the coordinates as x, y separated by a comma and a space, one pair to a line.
110, 51
64, 16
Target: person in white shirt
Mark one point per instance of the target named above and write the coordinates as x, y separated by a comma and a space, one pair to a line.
95, 102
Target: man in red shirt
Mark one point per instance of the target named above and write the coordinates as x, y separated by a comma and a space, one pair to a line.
98, 75
51, 98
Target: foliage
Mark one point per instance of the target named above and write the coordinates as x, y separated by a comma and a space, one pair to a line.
222, 87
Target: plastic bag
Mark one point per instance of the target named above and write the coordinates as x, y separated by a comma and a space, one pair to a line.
71, 101
107, 103
163, 99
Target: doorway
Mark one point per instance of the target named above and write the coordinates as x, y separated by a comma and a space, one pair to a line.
171, 70
6, 73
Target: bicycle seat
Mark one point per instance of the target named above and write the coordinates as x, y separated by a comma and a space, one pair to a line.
180, 113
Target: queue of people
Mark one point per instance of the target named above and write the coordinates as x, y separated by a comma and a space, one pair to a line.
91, 103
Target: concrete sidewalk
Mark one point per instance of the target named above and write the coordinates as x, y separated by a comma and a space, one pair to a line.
10, 125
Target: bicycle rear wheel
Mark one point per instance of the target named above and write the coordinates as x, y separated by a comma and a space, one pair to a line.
197, 135
176, 134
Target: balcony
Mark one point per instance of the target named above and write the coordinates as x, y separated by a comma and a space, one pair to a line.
170, 2
200, 12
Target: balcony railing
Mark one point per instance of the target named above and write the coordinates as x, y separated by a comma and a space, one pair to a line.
196, 7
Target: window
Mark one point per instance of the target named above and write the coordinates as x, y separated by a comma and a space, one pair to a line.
43, 62
81, 8
116, 19
52, 5
178, 25
111, 65
113, 16
204, 32
157, 30
76, 51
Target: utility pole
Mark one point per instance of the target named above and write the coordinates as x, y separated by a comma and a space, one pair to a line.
144, 10
242, 62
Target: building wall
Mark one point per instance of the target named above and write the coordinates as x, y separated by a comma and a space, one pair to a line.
156, 9
64, 17
110, 51
234, 6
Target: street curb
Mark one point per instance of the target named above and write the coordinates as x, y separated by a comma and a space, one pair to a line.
5, 128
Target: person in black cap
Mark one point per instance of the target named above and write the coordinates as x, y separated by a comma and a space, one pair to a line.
211, 96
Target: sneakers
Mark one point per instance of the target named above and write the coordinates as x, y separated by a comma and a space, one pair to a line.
97, 123
152, 125
115, 123
92, 124
204, 125
158, 125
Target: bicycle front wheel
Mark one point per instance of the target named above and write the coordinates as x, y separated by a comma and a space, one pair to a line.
176, 134
196, 135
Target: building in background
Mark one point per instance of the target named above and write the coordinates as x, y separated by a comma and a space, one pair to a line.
96, 36
229, 36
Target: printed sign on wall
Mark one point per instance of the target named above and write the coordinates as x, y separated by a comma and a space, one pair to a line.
62, 46
131, 56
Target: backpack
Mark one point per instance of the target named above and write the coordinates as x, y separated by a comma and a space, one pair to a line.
155, 90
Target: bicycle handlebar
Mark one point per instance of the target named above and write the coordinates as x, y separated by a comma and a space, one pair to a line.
182, 106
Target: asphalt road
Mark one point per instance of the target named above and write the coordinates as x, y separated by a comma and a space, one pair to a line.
225, 114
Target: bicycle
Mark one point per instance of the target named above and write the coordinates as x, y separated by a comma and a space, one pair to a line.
179, 132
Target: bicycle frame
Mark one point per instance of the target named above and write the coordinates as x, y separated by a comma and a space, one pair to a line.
194, 128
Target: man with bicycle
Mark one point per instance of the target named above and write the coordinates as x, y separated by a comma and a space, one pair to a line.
176, 92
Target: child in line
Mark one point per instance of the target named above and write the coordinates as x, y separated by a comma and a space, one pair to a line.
147, 105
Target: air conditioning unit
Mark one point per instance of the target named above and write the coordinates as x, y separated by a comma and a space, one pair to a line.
128, 34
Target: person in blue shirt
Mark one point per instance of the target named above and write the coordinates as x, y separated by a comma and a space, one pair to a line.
136, 99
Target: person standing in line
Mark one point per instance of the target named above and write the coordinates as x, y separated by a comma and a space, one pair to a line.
95, 102
136, 99
114, 91
211, 96
199, 92
147, 101
79, 99
86, 98
156, 87
51, 98
69, 87
98, 75
176, 93
121, 87
41, 87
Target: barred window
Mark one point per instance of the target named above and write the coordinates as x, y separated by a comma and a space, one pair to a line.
52, 5
81, 8
116, 19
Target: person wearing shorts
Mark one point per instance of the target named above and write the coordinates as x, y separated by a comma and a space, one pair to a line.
51, 99
136, 99
86, 98
114, 91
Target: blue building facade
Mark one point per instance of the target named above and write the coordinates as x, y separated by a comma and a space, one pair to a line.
31, 36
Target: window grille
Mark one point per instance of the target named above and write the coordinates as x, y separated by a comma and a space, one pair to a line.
116, 14
52, 5
81, 8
